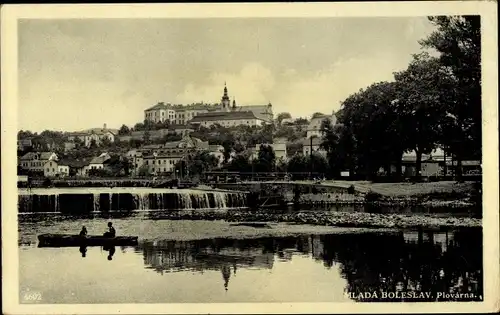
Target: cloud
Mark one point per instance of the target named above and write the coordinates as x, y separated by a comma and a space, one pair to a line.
252, 85
291, 91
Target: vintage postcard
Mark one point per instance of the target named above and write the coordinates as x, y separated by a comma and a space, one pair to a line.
250, 158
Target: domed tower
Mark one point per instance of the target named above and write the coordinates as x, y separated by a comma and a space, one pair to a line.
225, 102
234, 104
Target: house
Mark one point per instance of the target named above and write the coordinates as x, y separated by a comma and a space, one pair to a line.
278, 146
50, 168
97, 135
78, 167
24, 144
162, 162
314, 127
98, 162
182, 130
436, 164
69, 145
311, 145
63, 168
160, 112
227, 119
217, 151
35, 161
136, 158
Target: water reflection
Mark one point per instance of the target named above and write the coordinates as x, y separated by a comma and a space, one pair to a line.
429, 262
83, 251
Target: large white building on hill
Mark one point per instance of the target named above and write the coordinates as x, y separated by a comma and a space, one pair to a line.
225, 113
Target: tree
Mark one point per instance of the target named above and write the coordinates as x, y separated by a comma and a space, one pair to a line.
239, 163
317, 164
297, 164
458, 40
24, 134
317, 115
146, 137
369, 129
105, 142
282, 116
422, 97
93, 144
265, 160
124, 130
143, 170
227, 144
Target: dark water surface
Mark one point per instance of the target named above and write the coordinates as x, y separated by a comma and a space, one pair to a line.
338, 267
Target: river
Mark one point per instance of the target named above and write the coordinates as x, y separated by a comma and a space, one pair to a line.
213, 261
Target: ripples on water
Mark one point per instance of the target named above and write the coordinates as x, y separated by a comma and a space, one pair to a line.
305, 268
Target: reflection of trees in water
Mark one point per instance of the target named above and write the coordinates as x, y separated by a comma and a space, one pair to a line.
389, 263
410, 262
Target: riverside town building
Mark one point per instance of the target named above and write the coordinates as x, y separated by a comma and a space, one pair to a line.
224, 113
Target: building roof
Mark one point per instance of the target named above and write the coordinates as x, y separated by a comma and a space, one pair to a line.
260, 111
39, 155
99, 160
78, 163
64, 162
28, 156
158, 106
24, 141
46, 155
215, 116
164, 155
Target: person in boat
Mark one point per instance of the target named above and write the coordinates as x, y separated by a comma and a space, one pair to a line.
83, 232
111, 232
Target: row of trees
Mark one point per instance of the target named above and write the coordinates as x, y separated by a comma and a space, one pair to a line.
435, 102
264, 162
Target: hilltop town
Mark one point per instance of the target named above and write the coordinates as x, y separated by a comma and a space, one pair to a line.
423, 124
221, 135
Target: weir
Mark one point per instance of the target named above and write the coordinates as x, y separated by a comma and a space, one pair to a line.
81, 201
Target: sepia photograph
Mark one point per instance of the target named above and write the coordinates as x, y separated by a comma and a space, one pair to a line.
210, 155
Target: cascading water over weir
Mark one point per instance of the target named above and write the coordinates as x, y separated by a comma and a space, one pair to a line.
117, 199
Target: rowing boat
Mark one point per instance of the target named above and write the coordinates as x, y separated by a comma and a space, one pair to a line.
68, 240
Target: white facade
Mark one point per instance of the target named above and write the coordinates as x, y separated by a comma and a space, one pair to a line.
63, 170
161, 163
50, 169
232, 122
314, 127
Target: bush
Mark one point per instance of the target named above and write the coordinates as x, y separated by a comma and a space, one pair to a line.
351, 190
372, 197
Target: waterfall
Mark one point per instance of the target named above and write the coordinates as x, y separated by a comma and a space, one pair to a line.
99, 200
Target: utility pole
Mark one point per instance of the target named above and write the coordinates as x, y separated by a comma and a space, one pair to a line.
311, 154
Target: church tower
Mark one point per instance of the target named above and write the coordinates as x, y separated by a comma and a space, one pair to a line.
225, 102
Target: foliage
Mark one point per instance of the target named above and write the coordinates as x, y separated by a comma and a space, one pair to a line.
124, 130
458, 41
196, 164
282, 116
265, 161
317, 114
422, 99
240, 163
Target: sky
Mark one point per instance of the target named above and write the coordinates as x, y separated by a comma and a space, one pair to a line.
83, 73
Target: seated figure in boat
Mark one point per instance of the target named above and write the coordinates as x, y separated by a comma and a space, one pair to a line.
83, 232
111, 232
